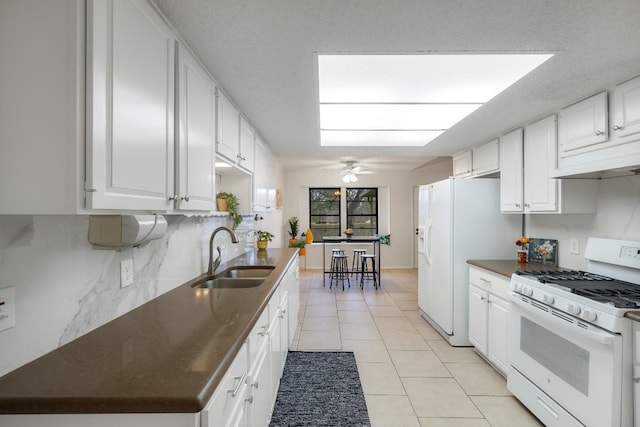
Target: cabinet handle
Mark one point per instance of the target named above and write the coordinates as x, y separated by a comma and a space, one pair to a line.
282, 314
482, 298
240, 379
173, 198
526, 205
485, 281
517, 205
185, 198
264, 331
255, 384
599, 132
249, 399
616, 127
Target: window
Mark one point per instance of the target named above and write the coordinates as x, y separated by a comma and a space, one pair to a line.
324, 212
362, 211
326, 218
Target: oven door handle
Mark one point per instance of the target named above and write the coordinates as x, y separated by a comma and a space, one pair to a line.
603, 338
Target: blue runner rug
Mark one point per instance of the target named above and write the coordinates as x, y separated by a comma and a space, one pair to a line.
320, 389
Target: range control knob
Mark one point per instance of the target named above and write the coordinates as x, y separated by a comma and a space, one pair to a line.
517, 287
589, 315
527, 291
548, 299
573, 309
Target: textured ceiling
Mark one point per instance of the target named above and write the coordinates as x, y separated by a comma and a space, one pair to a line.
261, 53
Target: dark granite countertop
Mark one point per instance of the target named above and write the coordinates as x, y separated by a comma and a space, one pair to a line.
508, 267
165, 356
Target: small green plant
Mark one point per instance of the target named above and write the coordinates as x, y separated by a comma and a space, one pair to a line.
232, 207
263, 236
293, 227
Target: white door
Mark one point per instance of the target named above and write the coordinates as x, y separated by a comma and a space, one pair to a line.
424, 269
130, 102
228, 127
478, 318
540, 191
195, 154
247, 141
511, 163
440, 251
497, 333
626, 109
583, 126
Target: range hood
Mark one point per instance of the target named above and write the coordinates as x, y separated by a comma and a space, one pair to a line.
611, 162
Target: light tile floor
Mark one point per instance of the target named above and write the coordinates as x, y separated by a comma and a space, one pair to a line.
410, 376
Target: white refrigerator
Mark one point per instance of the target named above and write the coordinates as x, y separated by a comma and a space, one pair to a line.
459, 219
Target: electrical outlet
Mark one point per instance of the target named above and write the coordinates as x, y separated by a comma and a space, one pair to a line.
7, 308
574, 246
126, 272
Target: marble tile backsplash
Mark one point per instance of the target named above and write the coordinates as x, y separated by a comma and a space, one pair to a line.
617, 217
66, 288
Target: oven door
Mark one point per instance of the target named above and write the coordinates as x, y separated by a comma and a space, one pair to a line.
577, 365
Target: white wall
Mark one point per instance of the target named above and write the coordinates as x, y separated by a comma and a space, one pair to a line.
395, 213
617, 217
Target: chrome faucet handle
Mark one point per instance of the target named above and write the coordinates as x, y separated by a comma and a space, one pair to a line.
218, 260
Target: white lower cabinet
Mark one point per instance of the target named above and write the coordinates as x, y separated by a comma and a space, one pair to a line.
228, 405
489, 315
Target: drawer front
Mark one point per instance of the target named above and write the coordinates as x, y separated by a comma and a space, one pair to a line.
491, 282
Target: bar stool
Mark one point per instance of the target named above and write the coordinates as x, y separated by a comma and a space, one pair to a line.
365, 273
339, 270
357, 261
332, 267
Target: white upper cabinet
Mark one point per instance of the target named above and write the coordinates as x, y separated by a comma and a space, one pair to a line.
42, 119
228, 131
543, 194
130, 107
485, 159
620, 151
195, 154
462, 164
479, 161
264, 192
540, 191
245, 157
625, 120
583, 126
511, 169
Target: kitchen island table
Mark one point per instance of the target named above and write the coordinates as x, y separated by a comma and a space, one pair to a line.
331, 240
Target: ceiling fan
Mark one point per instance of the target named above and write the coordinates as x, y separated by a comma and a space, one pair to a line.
351, 170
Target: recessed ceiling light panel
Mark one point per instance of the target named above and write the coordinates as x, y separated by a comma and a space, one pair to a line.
404, 100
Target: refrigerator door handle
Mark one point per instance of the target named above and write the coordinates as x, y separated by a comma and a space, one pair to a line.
427, 241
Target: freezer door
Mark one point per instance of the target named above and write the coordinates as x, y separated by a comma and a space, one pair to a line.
439, 304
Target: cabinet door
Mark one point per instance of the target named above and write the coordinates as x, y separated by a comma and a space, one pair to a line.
228, 123
260, 399
511, 162
294, 300
247, 137
130, 106
271, 181
540, 191
583, 126
485, 158
478, 318
228, 407
260, 178
498, 332
626, 110
462, 164
195, 153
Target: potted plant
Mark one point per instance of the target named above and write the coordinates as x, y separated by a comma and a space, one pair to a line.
293, 230
264, 237
228, 202
523, 243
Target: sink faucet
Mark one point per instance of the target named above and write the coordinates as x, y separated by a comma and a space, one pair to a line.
214, 264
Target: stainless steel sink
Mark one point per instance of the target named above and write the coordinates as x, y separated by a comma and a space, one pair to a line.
240, 277
230, 283
246, 271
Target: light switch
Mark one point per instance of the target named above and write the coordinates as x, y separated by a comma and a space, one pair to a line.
7, 308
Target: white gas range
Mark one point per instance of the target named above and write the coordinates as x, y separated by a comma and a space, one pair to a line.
570, 346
